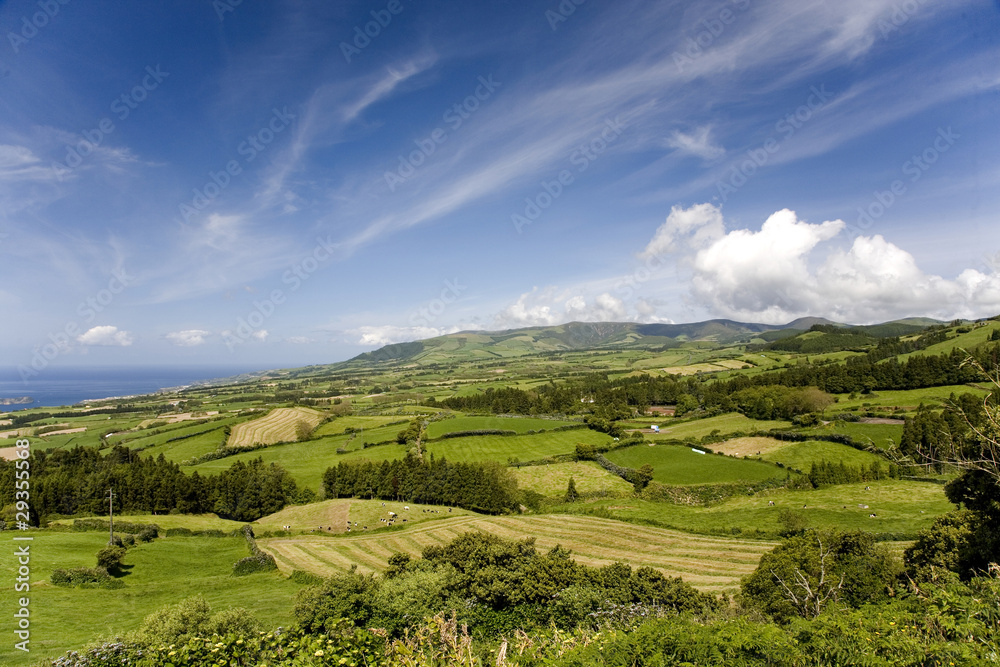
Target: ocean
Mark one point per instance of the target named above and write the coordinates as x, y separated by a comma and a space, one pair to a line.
54, 387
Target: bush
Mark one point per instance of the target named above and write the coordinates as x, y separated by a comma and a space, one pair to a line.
257, 561
110, 558
192, 617
85, 577
807, 573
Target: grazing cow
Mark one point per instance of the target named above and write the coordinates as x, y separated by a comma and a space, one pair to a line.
406, 507
770, 503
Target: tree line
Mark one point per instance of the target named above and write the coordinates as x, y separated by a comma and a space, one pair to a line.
480, 486
779, 394
76, 481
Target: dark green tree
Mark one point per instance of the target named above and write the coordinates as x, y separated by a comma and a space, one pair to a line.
571, 494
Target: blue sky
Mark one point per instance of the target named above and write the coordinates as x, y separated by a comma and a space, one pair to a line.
285, 183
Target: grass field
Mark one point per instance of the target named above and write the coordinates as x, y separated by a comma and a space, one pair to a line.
880, 435
163, 572
279, 425
713, 564
901, 508
521, 447
908, 399
339, 425
679, 465
520, 424
552, 480
748, 446
801, 455
729, 423
306, 461
331, 516
164, 521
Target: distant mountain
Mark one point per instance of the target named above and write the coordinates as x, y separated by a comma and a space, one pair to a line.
493, 345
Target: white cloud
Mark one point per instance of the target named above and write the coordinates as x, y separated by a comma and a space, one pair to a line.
19, 163
698, 143
750, 271
188, 337
300, 340
698, 226
551, 306
388, 334
603, 308
105, 335
532, 308
779, 273
260, 335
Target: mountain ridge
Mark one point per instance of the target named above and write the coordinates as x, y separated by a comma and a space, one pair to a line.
598, 335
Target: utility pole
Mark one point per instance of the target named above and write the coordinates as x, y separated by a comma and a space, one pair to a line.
111, 516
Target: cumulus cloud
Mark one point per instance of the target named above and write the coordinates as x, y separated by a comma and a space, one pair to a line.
105, 335
532, 308
550, 306
698, 143
756, 272
790, 268
388, 334
603, 308
188, 337
260, 335
694, 227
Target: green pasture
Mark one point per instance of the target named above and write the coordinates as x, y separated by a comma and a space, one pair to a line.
305, 461
162, 572
165, 521
339, 425
904, 399
520, 447
901, 508
520, 424
552, 480
674, 464
801, 455
881, 435
729, 423
967, 341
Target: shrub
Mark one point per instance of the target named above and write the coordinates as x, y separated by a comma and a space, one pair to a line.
85, 577
257, 561
807, 573
110, 558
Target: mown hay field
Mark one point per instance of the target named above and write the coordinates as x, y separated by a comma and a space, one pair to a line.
278, 425
709, 563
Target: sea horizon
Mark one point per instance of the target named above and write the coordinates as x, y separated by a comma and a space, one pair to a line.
71, 385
